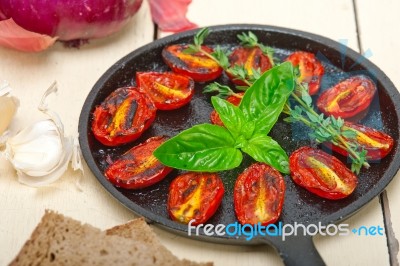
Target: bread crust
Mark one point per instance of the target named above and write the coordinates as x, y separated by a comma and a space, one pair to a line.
60, 240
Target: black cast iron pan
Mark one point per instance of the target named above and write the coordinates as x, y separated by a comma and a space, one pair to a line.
300, 206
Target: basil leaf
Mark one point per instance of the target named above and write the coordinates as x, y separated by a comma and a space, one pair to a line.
205, 148
231, 115
269, 116
268, 94
263, 148
248, 129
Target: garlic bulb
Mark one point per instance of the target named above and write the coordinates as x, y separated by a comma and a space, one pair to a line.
41, 153
8, 108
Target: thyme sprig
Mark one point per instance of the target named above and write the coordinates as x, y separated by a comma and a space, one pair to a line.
324, 128
251, 40
222, 91
221, 56
218, 55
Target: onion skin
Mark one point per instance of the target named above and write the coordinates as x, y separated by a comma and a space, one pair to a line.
15, 37
171, 15
70, 19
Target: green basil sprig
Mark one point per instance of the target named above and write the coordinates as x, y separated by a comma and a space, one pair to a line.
212, 148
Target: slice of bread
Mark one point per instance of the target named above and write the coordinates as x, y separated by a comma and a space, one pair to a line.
139, 230
59, 240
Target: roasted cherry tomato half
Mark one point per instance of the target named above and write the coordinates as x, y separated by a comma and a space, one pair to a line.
195, 196
258, 195
197, 66
214, 116
377, 144
348, 98
123, 116
167, 90
251, 58
311, 69
321, 173
138, 168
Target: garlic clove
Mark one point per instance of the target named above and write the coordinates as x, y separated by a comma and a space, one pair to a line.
8, 107
37, 149
52, 176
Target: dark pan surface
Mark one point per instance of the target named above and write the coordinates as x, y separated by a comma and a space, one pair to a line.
300, 206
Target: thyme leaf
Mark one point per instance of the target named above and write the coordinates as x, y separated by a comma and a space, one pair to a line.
223, 91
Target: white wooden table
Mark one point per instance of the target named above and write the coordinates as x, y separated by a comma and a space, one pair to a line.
365, 24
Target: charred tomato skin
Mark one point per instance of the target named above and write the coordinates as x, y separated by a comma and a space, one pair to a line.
250, 58
167, 90
259, 194
377, 143
138, 168
122, 117
194, 196
348, 98
321, 173
214, 116
311, 69
197, 66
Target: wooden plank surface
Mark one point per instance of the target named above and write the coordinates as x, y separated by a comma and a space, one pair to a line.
379, 34
76, 71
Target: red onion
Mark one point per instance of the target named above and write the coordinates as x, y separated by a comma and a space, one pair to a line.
70, 19
34, 25
2, 16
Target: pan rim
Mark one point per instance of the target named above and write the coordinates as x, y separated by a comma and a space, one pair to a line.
181, 229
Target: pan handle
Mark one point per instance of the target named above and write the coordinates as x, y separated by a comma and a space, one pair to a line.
298, 251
